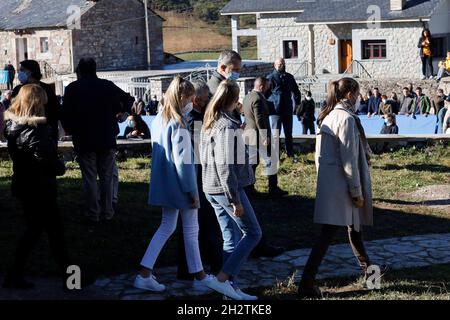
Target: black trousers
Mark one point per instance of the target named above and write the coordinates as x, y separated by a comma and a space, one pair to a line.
321, 247
308, 125
10, 85
209, 238
427, 61
41, 216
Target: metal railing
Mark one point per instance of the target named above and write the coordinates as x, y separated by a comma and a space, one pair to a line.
47, 70
202, 73
304, 70
357, 69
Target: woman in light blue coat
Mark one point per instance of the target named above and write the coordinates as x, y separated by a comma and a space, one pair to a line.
173, 185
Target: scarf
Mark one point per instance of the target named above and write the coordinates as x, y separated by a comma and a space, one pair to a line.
351, 110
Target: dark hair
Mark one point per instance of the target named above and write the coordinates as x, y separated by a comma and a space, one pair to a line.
308, 94
384, 96
33, 67
419, 88
426, 30
87, 67
141, 126
261, 80
392, 117
337, 90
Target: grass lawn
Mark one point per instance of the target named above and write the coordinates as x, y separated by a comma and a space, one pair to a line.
428, 283
118, 247
246, 53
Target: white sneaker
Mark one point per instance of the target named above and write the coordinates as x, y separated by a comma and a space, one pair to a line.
149, 284
224, 288
423, 78
246, 296
200, 284
431, 77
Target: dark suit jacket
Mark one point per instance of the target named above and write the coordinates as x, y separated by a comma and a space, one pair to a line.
283, 86
256, 111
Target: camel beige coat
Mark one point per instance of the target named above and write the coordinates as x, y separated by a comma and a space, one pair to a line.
343, 172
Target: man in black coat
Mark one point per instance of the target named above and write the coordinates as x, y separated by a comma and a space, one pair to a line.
306, 114
29, 73
284, 94
89, 114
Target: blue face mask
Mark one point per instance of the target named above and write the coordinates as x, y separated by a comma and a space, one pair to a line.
233, 76
23, 77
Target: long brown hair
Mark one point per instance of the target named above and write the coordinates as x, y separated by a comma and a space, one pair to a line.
29, 102
337, 90
226, 95
178, 89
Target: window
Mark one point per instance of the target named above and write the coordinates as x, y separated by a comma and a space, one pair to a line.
290, 49
374, 49
44, 44
439, 47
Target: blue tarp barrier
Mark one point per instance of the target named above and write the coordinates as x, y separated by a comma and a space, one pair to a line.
372, 126
3, 77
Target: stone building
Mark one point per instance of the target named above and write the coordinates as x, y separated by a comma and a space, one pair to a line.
378, 37
57, 33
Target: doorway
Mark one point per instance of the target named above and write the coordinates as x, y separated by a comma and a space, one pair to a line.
21, 49
345, 56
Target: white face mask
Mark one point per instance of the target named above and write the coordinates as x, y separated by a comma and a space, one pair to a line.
308, 98
188, 108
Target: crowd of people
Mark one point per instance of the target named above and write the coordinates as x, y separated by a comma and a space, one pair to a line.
204, 160
412, 103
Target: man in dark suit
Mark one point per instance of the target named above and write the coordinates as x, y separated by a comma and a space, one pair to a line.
284, 94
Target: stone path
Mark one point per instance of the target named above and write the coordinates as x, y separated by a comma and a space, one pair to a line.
399, 253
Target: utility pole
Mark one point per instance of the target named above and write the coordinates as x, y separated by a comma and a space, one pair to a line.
147, 31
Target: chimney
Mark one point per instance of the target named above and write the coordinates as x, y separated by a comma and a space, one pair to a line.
397, 5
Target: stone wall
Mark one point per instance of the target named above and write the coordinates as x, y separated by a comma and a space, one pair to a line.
58, 56
113, 32
403, 57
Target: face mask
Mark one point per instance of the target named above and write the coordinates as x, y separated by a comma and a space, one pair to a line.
131, 124
308, 98
188, 108
233, 76
23, 77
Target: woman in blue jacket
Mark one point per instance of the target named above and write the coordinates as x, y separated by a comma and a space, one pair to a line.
173, 185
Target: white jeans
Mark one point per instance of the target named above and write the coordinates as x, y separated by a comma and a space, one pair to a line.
166, 229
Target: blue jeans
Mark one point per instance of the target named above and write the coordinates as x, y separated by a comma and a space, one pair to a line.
240, 235
287, 122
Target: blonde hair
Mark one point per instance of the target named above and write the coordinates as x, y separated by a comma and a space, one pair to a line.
29, 102
178, 89
227, 94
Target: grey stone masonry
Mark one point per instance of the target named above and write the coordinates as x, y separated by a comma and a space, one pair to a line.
399, 253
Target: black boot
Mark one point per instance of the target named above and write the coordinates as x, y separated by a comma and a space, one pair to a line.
308, 290
274, 190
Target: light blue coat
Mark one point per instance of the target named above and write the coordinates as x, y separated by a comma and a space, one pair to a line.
173, 176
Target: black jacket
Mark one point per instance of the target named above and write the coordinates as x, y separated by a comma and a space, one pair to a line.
389, 129
306, 112
34, 156
89, 114
283, 86
52, 108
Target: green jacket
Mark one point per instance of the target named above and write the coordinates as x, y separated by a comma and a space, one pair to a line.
256, 111
421, 105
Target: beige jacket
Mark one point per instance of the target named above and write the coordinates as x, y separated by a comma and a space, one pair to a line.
342, 173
